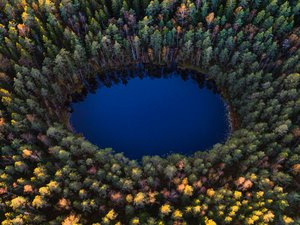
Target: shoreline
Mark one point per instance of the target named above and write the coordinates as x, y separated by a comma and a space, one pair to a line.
161, 70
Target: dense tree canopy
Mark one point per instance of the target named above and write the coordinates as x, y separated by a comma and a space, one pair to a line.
52, 52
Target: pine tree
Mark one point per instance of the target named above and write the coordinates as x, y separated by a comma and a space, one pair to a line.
116, 6
230, 6
155, 43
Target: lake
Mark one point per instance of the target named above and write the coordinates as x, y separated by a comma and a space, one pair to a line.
152, 117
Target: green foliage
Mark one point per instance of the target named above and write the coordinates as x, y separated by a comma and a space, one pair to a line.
50, 53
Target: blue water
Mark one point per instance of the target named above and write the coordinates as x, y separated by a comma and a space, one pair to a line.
152, 117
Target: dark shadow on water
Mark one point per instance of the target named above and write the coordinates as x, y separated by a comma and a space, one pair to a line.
134, 112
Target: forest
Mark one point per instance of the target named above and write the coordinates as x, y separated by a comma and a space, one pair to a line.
53, 51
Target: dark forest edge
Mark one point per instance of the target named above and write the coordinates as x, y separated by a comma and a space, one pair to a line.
114, 76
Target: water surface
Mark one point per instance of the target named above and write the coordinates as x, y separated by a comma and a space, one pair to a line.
152, 117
